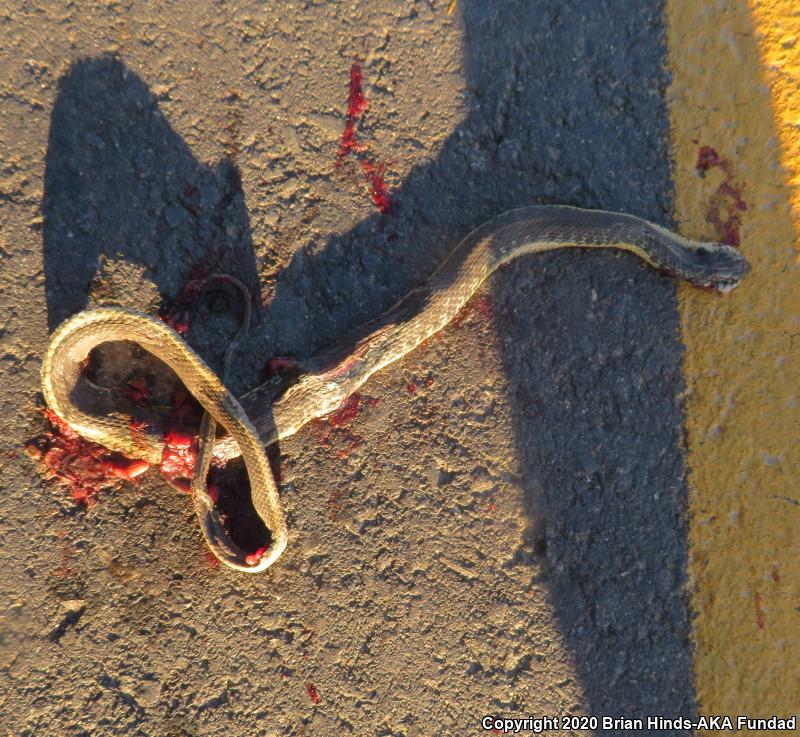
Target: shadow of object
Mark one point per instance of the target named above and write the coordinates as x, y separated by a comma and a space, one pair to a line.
121, 185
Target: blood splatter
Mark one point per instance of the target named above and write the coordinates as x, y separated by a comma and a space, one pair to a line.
280, 365
86, 468
311, 690
760, 619
414, 386
252, 558
181, 442
347, 412
138, 391
480, 305
373, 171
177, 319
334, 430
356, 105
177, 312
726, 204
378, 192
485, 307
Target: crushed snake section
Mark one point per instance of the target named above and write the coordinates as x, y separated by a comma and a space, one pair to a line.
88, 469
85, 468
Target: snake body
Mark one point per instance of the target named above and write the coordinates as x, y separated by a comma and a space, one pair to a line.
274, 411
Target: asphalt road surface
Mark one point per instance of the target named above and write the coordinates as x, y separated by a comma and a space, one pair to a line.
501, 529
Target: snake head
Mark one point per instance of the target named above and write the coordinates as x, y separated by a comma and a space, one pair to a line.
717, 266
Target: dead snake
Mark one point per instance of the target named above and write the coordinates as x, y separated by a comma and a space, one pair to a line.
274, 411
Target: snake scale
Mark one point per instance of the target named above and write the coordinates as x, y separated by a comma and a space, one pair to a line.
273, 410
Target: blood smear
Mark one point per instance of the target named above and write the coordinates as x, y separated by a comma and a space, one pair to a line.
373, 171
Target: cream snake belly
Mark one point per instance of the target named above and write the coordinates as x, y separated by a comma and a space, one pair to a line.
273, 411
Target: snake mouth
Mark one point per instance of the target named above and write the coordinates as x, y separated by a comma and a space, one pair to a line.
720, 267
723, 287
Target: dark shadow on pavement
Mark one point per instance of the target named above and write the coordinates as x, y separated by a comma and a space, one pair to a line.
122, 186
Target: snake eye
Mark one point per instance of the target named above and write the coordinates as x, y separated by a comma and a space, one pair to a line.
704, 255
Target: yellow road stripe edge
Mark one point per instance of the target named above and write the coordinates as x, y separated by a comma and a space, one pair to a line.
734, 106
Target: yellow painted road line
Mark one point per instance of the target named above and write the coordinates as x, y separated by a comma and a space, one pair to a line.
735, 120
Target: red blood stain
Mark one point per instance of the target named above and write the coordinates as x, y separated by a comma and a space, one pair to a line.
726, 204
127, 468
481, 306
334, 430
347, 412
343, 437
492, 507
413, 386
176, 313
177, 319
356, 105
485, 307
373, 171
181, 442
356, 442
760, 619
86, 468
280, 365
378, 192
311, 690
252, 558
775, 575
138, 391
